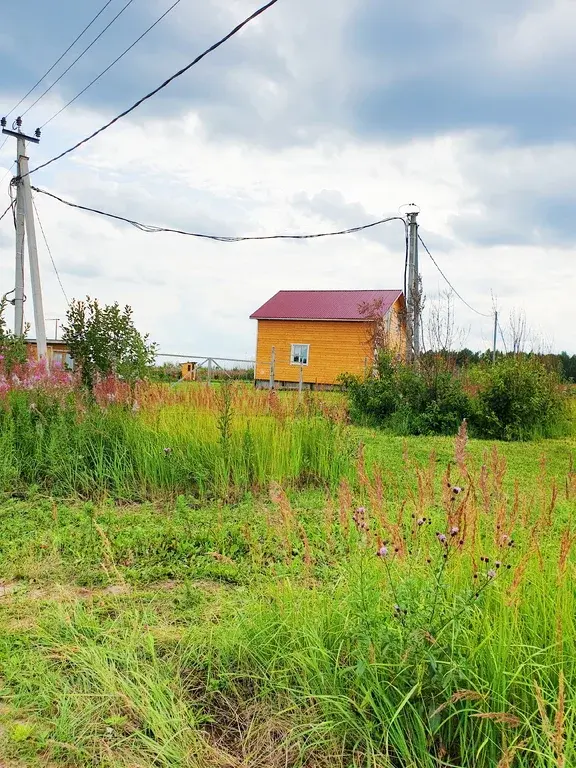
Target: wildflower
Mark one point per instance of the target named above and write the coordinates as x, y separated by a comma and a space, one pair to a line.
491, 573
360, 510
421, 521
135, 407
454, 530
167, 451
383, 551
497, 564
441, 538
456, 489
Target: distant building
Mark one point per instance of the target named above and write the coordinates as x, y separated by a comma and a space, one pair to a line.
315, 336
58, 352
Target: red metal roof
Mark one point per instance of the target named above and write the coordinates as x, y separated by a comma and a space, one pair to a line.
322, 305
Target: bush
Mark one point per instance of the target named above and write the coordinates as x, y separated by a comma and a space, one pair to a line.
428, 401
519, 399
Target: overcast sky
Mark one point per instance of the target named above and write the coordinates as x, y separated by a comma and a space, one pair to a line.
323, 114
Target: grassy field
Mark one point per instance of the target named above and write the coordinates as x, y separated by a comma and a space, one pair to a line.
313, 595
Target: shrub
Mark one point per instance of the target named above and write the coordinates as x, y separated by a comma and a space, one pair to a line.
428, 401
519, 398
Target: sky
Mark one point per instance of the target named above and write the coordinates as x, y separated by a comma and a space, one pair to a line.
318, 116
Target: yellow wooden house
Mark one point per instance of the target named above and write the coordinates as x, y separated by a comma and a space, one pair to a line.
309, 338
58, 352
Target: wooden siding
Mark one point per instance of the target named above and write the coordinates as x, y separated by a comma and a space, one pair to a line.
336, 347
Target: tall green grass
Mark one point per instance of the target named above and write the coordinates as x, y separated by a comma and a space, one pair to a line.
68, 446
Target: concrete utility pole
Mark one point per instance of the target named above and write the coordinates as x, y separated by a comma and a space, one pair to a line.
495, 334
25, 215
413, 289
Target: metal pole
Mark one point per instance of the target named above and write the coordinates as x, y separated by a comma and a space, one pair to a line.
209, 370
20, 237
495, 335
33, 257
413, 298
272, 367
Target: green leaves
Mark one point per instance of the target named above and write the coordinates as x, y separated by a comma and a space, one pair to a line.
103, 341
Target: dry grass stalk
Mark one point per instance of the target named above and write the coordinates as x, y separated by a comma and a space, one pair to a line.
376, 492
566, 543
559, 722
461, 695
460, 447
108, 563
498, 468
570, 480
552, 504
279, 498
363, 478
430, 477
509, 754
502, 718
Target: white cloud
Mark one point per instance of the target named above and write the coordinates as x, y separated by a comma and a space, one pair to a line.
195, 296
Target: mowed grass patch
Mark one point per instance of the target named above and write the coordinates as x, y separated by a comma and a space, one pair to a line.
410, 616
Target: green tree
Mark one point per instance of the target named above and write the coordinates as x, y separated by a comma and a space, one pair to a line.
12, 347
103, 340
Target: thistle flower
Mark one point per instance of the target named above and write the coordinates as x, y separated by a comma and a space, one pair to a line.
454, 530
491, 573
167, 451
441, 538
382, 551
421, 521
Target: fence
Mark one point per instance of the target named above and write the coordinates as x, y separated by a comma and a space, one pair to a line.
207, 368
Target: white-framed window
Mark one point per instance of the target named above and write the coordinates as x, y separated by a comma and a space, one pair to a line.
299, 354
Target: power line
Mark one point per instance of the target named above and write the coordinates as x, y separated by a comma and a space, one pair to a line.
160, 87
219, 238
109, 67
7, 209
86, 28
77, 59
482, 314
49, 251
8, 171
502, 337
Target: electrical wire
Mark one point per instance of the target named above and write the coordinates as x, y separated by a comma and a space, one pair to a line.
8, 171
7, 209
77, 59
50, 251
160, 87
482, 314
86, 28
109, 67
219, 238
502, 337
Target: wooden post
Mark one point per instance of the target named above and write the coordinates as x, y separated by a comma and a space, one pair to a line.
272, 367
